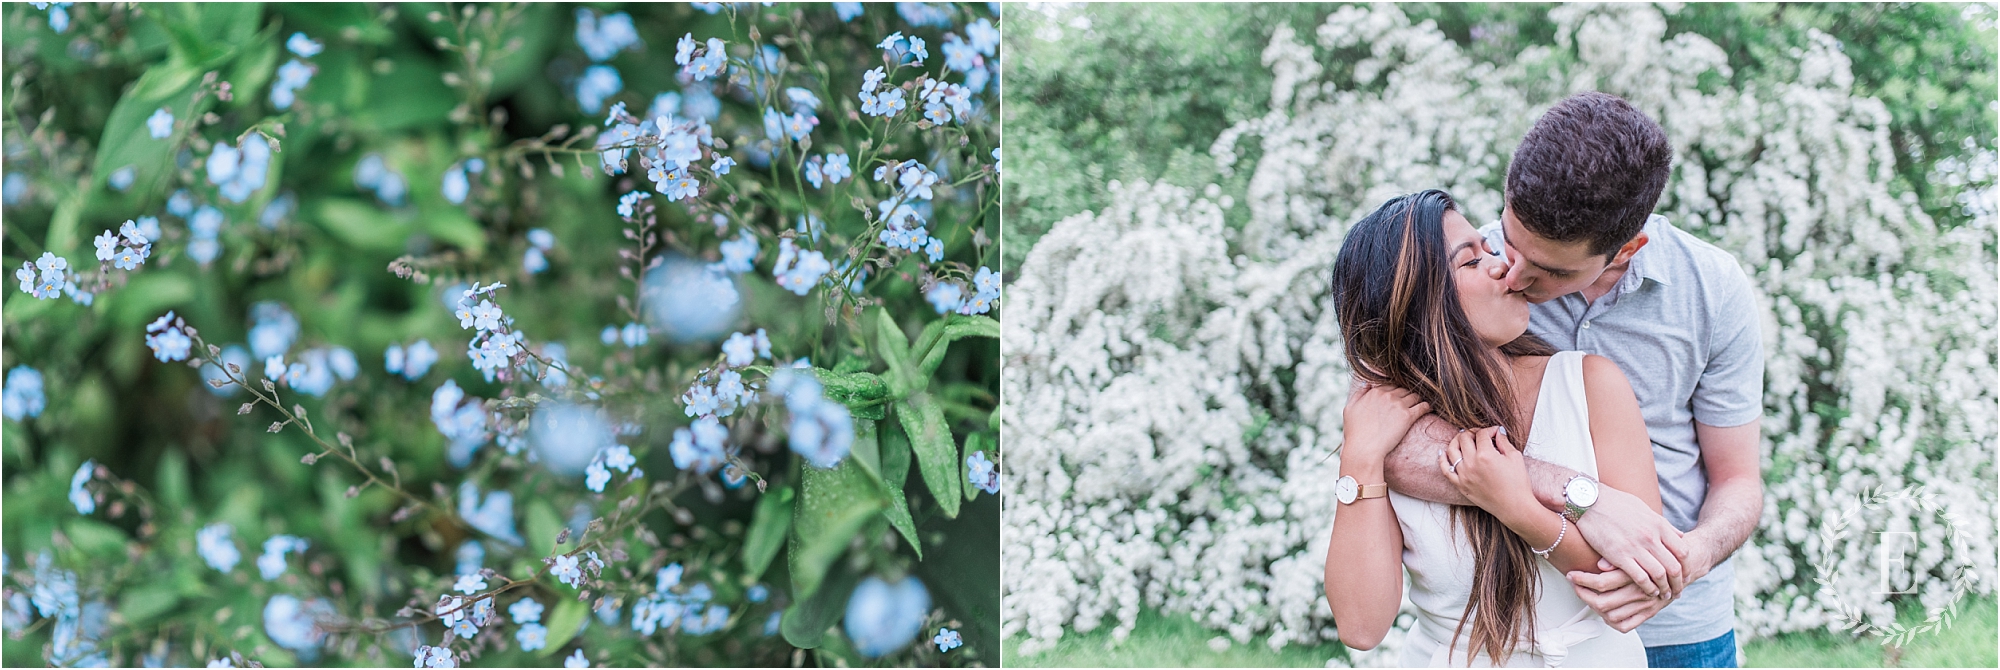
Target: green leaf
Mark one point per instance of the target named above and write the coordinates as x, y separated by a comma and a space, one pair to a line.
973, 443
563, 624
768, 527
937, 338
895, 454
95, 537
833, 505
361, 225
894, 348
805, 623
543, 525
868, 454
863, 393
937, 452
173, 478
146, 601
126, 140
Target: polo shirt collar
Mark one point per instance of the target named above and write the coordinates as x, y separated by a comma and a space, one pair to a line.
1649, 262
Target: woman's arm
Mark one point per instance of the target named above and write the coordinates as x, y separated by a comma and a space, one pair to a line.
1364, 563
1624, 462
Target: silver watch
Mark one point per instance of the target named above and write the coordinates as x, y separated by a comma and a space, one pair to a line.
1578, 495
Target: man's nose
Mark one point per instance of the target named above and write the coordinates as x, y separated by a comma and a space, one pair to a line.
1516, 276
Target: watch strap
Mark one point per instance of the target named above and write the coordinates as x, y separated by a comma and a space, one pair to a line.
1373, 491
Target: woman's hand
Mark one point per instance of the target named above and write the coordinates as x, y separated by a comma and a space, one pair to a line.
1375, 420
1488, 470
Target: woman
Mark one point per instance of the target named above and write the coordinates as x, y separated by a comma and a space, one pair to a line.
1431, 328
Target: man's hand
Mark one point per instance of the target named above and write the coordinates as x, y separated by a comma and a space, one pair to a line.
1623, 605
1636, 540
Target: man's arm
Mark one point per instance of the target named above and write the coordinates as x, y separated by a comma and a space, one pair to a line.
1412, 468
1621, 527
1729, 512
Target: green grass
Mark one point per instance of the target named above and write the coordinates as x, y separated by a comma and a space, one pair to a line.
1160, 641
1969, 643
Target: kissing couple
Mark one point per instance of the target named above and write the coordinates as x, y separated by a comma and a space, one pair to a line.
1554, 422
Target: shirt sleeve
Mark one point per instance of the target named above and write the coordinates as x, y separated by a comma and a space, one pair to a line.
1731, 390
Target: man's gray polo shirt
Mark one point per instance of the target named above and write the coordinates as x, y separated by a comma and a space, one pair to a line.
1683, 325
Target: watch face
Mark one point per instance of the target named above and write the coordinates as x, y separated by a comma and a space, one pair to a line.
1345, 489
1582, 492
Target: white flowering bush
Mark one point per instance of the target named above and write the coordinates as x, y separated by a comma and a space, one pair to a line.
1174, 383
501, 335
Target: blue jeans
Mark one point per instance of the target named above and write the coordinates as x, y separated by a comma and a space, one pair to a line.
1717, 653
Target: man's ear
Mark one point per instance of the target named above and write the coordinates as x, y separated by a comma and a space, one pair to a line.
1624, 253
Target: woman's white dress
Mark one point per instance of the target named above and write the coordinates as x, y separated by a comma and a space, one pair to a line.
1440, 558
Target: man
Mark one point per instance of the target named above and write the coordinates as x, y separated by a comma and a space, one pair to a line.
1677, 314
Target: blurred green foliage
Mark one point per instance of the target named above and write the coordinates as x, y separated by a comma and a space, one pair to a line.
1139, 92
404, 81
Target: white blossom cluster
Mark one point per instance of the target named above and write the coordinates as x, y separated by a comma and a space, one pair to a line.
1174, 387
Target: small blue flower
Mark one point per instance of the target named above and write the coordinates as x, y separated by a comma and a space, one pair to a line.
740, 350
597, 83
160, 124
678, 185
595, 477
469, 584
532, 636
107, 245
494, 516
78, 495
14, 188
628, 203
813, 174
533, 261
567, 571
883, 618
121, 178
668, 577
633, 335
619, 458
799, 271
984, 36
892, 42
58, 15
982, 473
304, 46
435, 657
129, 258
934, 249
699, 448
847, 10
917, 48
757, 593
709, 63
217, 547
168, 343
945, 296
456, 185
576, 660
739, 255
617, 112
837, 168
722, 165
23, 395
525, 610
180, 204
947, 640
291, 623
603, 38
272, 563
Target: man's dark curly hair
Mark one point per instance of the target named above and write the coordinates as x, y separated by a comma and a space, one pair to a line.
1590, 170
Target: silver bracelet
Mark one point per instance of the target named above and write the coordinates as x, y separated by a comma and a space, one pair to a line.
1544, 553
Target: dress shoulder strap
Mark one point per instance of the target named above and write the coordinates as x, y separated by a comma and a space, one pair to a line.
1562, 416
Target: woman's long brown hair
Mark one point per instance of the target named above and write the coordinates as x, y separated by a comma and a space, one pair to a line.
1403, 326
